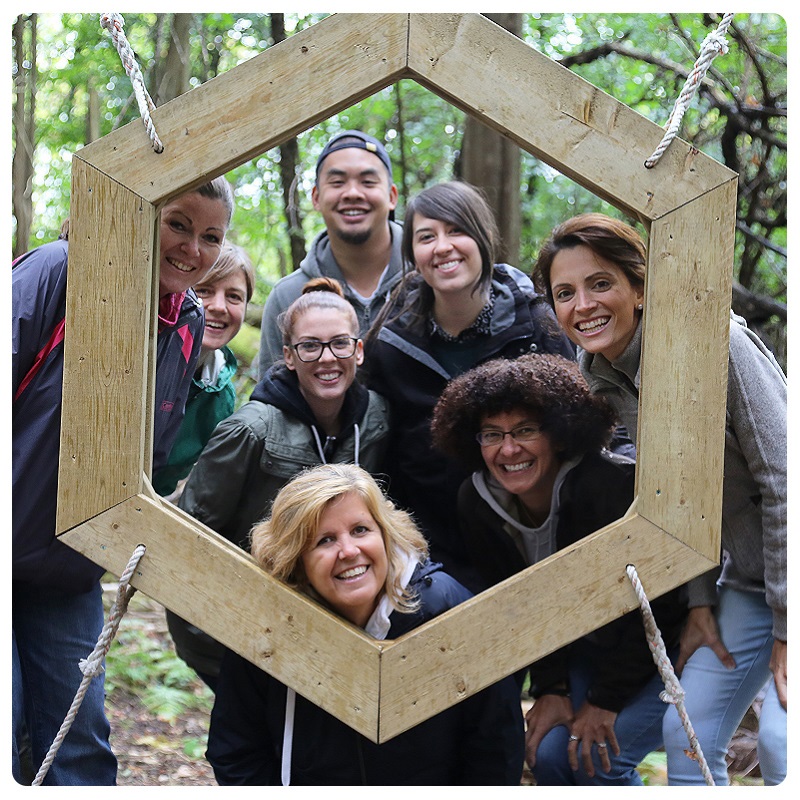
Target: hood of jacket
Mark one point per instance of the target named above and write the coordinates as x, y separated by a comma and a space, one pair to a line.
320, 261
280, 388
535, 543
513, 292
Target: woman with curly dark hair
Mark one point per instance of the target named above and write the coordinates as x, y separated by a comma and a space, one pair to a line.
535, 436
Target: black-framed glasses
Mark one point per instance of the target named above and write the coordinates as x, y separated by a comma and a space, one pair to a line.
341, 347
522, 433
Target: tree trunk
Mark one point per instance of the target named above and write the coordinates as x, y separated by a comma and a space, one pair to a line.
24, 130
288, 170
493, 163
92, 114
174, 80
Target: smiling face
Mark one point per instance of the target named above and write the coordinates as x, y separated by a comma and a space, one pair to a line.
448, 259
323, 383
526, 469
596, 304
354, 194
225, 302
346, 562
192, 232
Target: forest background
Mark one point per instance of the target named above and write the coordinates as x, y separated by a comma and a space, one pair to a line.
70, 88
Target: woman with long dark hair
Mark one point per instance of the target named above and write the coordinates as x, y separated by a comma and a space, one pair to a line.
454, 309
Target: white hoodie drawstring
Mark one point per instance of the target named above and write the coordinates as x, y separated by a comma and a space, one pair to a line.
288, 722
288, 736
356, 444
320, 449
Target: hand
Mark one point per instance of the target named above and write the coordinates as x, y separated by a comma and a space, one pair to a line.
592, 726
547, 712
701, 630
777, 663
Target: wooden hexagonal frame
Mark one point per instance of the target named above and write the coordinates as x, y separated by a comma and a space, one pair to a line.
106, 505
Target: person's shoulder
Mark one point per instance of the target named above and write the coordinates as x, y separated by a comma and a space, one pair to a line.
51, 258
438, 590
377, 404
515, 275
601, 471
746, 346
288, 288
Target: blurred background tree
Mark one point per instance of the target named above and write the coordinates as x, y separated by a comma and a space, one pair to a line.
70, 88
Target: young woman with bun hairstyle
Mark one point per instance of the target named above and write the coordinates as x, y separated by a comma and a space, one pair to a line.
308, 410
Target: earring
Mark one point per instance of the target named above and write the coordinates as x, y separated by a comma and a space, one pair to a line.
640, 306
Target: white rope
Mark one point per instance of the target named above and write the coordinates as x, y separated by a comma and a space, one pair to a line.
673, 692
93, 665
713, 44
114, 24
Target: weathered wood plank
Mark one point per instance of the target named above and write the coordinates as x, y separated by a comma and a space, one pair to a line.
106, 420
557, 116
262, 102
526, 617
218, 587
681, 435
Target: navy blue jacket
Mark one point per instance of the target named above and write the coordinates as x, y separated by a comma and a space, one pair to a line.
479, 741
39, 281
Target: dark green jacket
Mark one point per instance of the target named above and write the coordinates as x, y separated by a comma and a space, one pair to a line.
206, 406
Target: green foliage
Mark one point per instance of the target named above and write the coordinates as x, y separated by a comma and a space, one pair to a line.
640, 59
146, 665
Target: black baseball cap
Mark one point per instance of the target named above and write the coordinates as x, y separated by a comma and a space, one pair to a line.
357, 139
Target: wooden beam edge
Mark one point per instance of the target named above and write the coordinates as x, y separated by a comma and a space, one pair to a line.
442, 663
189, 569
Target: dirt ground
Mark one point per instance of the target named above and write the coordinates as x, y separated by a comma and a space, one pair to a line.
150, 751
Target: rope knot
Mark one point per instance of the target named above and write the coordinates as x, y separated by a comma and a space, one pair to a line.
91, 667
715, 41
672, 695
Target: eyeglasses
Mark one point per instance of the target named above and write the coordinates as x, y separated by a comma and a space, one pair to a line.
341, 347
524, 433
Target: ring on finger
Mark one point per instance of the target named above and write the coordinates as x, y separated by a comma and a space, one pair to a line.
573, 738
601, 745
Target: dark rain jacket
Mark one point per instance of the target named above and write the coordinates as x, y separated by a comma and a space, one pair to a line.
38, 283
400, 365
479, 741
594, 493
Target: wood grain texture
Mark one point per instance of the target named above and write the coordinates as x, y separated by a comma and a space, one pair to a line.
524, 618
218, 587
557, 116
242, 113
681, 436
106, 420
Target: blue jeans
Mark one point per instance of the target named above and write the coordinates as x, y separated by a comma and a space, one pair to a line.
52, 631
718, 698
637, 728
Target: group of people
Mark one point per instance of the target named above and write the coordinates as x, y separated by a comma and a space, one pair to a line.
427, 423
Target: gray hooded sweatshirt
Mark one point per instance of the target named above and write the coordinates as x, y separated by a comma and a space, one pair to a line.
320, 263
754, 484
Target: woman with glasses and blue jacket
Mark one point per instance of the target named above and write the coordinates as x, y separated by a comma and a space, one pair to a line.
535, 437
306, 411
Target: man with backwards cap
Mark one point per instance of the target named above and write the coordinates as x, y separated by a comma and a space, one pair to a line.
360, 246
